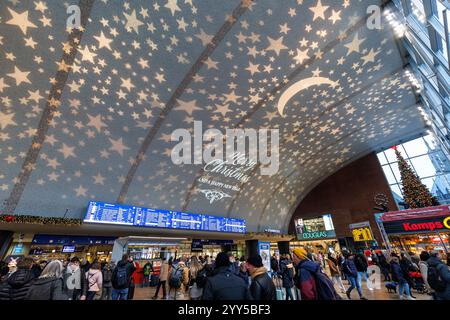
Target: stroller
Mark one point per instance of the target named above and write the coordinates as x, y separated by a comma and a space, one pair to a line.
417, 282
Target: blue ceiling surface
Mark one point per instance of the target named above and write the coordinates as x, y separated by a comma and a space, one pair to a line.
142, 69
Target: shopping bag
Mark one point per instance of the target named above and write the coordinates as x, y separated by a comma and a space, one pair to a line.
279, 290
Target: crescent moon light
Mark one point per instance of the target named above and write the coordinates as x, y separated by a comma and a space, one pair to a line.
299, 86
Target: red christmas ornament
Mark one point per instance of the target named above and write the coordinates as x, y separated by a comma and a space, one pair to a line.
9, 218
394, 147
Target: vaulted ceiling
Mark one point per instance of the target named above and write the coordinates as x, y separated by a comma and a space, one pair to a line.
87, 114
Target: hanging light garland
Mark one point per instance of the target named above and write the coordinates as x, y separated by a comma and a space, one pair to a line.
7, 218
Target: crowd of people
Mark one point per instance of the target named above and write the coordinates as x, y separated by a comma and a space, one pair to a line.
299, 275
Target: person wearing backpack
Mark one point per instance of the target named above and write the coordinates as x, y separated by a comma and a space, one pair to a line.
262, 286
223, 284
162, 279
398, 277
107, 284
438, 277
121, 278
349, 268
311, 281
148, 269
179, 278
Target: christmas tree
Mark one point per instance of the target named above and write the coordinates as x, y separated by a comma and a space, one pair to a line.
416, 194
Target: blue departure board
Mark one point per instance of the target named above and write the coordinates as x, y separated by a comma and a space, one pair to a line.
101, 212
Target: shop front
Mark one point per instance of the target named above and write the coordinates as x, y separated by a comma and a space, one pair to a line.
316, 234
416, 230
49, 247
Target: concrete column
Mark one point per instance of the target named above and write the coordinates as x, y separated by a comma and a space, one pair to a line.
251, 248
283, 247
120, 247
6, 238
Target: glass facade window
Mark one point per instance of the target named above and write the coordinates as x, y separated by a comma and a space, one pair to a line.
426, 41
428, 159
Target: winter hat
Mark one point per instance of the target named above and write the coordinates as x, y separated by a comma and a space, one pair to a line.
255, 261
222, 260
301, 253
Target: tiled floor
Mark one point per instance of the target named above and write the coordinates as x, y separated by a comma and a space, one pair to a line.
376, 294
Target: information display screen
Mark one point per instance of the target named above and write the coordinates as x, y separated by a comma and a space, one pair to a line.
101, 212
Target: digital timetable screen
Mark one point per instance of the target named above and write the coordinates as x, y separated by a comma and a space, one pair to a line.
107, 213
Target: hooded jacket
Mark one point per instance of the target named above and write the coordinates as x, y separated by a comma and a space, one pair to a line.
445, 276
225, 285
50, 288
16, 287
262, 287
305, 280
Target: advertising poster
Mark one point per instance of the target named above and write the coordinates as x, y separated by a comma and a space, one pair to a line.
315, 228
264, 252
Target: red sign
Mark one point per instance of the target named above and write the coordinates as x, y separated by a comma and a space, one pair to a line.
410, 214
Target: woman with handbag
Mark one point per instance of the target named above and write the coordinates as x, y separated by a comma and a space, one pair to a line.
95, 280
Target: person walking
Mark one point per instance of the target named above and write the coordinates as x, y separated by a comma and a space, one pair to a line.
438, 276
75, 282
162, 279
423, 268
121, 278
16, 287
351, 273
49, 285
398, 277
362, 264
179, 279
262, 287
384, 265
335, 272
287, 276
407, 266
224, 284
95, 280
305, 270
107, 284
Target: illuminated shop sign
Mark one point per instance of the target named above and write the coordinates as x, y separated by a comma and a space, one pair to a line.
434, 224
315, 228
361, 231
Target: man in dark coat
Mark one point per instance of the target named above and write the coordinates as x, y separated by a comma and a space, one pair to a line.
224, 284
16, 287
399, 277
121, 278
262, 287
287, 276
444, 273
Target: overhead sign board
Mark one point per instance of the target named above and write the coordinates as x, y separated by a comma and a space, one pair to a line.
119, 214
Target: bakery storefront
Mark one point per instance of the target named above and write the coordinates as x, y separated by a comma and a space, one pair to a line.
416, 230
316, 234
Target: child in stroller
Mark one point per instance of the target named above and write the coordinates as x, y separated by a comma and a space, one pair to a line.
418, 283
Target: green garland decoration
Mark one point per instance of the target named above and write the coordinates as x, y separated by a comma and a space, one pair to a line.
7, 218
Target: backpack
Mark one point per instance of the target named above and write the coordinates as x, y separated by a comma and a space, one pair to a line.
107, 275
201, 278
147, 269
122, 277
175, 278
434, 279
325, 288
